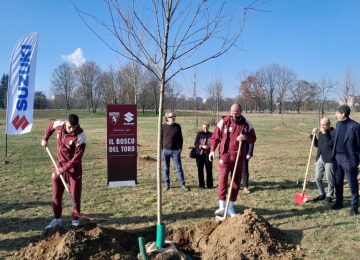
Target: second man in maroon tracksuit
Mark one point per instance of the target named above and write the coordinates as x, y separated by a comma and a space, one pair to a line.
228, 133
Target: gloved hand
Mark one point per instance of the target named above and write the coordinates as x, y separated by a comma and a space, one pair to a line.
211, 156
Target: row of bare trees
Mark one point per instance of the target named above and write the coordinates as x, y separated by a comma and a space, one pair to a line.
88, 86
275, 86
278, 86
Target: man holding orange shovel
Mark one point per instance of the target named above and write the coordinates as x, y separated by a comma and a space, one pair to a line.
230, 134
324, 162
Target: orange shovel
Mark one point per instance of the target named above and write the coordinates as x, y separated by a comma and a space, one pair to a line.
301, 198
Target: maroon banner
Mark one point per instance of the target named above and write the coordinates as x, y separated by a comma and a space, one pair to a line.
121, 145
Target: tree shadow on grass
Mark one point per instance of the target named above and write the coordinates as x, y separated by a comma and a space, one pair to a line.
6, 207
286, 184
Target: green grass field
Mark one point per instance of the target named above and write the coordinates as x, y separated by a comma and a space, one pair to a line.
276, 174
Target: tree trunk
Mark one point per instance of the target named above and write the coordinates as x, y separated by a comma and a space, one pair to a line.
162, 88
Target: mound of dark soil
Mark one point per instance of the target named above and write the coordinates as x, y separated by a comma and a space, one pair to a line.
88, 242
242, 237
246, 236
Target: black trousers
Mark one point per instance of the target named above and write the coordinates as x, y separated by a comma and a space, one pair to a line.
201, 161
245, 174
343, 168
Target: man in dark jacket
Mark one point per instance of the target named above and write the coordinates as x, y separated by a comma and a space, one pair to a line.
324, 162
346, 153
171, 145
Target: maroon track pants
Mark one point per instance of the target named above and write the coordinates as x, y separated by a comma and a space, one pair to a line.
226, 167
75, 185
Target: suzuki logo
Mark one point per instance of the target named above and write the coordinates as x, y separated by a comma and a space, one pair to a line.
20, 122
128, 117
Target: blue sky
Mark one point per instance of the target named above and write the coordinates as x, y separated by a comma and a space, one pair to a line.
315, 38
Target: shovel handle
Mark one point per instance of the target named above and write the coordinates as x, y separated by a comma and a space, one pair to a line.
308, 164
232, 180
57, 169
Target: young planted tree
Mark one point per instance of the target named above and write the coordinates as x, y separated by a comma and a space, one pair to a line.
196, 105
165, 37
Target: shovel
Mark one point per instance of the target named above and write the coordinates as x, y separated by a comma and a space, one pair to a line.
219, 218
77, 214
301, 198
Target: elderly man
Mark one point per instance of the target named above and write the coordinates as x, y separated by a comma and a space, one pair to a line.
346, 153
228, 133
324, 162
171, 145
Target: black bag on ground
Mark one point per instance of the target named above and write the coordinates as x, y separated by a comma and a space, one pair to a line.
193, 153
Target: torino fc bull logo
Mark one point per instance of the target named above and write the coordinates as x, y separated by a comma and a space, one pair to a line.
114, 116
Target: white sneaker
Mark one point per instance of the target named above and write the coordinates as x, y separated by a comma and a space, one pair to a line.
75, 222
231, 212
219, 212
56, 222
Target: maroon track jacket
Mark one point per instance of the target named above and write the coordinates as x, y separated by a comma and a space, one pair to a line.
70, 147
226, 132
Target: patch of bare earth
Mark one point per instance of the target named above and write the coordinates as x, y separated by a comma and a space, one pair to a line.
88, 242
246, 236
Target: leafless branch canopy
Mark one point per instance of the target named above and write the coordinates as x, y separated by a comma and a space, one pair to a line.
145, 31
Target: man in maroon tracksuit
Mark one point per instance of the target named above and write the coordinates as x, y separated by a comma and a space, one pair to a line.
71, 142
228, 133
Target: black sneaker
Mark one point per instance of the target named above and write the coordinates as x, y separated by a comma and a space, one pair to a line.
167, 187
353, 212
337, 206
185, 188
328, 200
319, 198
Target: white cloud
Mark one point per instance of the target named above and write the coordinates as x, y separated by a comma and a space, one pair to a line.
76, 58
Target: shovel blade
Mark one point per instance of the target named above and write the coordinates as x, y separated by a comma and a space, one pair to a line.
301, 198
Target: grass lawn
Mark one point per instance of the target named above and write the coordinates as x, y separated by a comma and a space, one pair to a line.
276, 174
